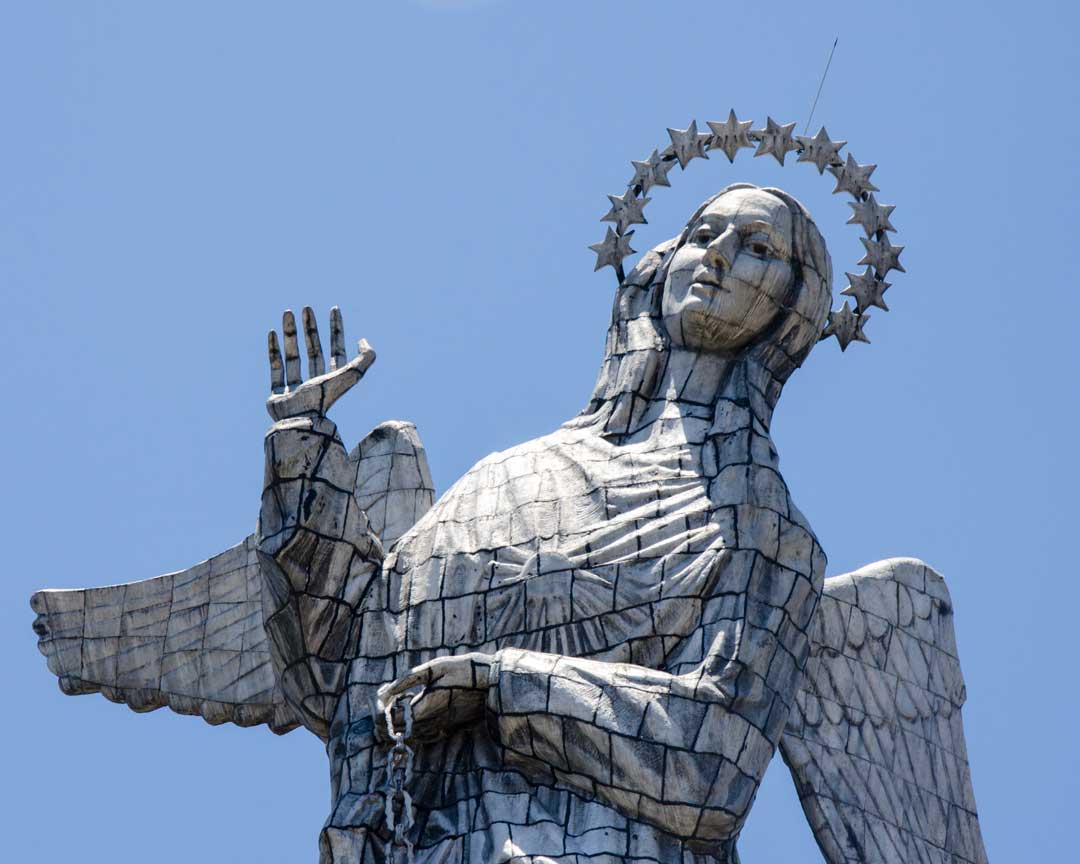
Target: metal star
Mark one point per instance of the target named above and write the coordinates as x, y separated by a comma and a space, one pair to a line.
853, 178
730, 135
612, 249
652, 172
775, 139
626, 210
882, 256
867, 290
846, 326
872, 216
688, 143
820, 150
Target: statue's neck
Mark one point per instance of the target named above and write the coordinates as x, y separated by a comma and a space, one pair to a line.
692, 384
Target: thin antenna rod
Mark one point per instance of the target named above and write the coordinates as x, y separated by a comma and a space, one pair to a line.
828, 63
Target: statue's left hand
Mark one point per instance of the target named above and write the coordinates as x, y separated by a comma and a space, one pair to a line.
452, 695
290, 395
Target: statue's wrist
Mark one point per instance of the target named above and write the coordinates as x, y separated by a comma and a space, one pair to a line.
311, 421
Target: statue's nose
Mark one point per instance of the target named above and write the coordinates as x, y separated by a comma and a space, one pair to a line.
721, 250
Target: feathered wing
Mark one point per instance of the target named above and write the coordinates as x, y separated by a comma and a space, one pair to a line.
191, 640
194, 640
393, 481
875, 741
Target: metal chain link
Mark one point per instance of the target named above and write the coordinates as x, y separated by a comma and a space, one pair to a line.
399, 805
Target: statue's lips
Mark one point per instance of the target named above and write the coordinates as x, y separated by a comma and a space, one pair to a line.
707, 283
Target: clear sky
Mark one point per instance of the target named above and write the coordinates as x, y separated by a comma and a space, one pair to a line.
173, 175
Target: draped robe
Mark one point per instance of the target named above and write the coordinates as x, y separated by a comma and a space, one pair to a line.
647, 603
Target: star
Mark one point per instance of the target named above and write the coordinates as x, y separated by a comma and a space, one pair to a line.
853, 178
688, 143
819, 149
774, 139
730, 136
872, 216
867, 290
882, 255
611, 251
652, 172
626, 210
846, 326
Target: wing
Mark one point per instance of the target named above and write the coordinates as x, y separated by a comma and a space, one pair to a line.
875, 741
191, 640
393, 481
194, 640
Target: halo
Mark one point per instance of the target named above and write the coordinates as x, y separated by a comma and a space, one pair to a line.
867, 288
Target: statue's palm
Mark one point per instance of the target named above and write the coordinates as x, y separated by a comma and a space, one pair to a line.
290, 395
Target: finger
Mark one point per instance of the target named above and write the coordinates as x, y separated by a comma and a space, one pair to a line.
392, 692
403, 685
314, 346
277, 370
292, 355
337, 340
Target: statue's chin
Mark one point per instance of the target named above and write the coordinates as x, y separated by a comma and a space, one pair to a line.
702, 331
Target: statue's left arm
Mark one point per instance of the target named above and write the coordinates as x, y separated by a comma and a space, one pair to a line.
684, 752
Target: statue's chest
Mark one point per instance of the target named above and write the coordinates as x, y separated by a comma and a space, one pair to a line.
573, 569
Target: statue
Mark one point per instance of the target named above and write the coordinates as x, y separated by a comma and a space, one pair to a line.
589, 648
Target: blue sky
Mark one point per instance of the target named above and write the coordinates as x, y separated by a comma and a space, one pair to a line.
172, 176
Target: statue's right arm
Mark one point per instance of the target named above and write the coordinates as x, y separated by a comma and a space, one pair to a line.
317, 553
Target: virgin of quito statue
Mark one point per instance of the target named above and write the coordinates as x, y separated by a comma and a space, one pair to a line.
589, 648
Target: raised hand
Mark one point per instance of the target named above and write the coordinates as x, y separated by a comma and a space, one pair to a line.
290, 395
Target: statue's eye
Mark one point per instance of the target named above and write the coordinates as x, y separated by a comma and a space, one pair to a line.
759, 248
704, 235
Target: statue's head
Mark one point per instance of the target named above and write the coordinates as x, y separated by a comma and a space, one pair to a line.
728, 280
747, 260
748, 278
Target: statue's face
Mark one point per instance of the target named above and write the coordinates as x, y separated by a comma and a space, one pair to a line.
726, 284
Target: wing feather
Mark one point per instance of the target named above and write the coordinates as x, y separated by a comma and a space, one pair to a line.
875, 741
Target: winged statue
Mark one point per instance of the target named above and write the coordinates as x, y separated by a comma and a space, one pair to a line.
588, 648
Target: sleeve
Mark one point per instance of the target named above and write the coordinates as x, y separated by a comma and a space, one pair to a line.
318, 557
659, 747
684, 752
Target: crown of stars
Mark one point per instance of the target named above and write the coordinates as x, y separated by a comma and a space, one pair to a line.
689, 143
730, 135
853, 178
872, 216
847, 326
612, 249
882, 256
820, 150
652, 172
775, 139
867, 290
626, 210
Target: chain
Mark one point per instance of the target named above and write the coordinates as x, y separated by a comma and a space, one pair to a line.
399, 807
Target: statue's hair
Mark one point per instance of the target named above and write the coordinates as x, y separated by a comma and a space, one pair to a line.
638, 342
